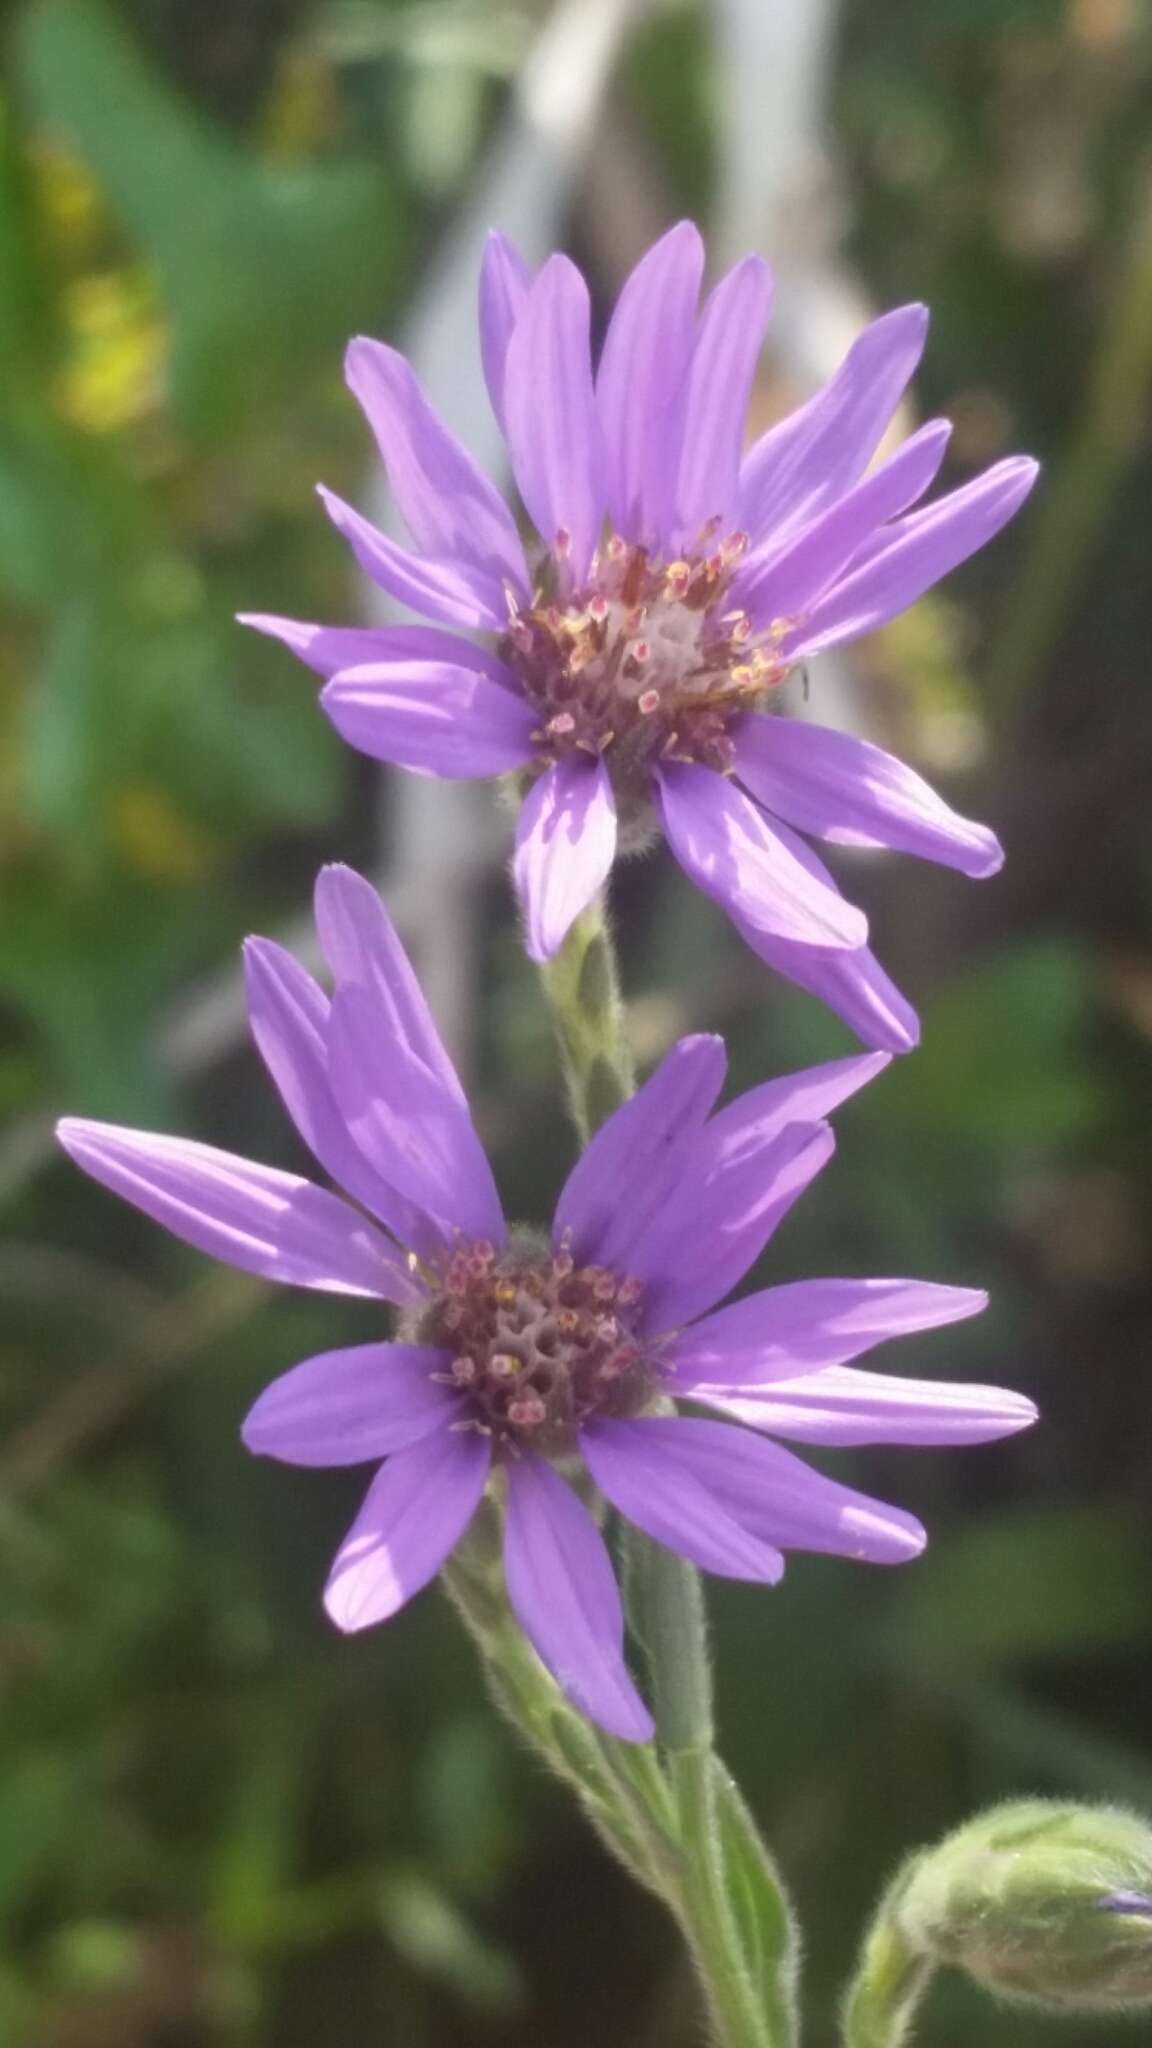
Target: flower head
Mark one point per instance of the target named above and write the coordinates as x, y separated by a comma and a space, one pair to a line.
1039, 1901
630, 661
522, 1359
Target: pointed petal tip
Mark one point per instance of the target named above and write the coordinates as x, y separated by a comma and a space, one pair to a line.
332, 882
343, 1609
629, 1721
497, 239
361, 344
71, 1131
693, 1039
913, 319
872, 1063
908, 1542
1019, 1413
880, 1535
968, 1301
250, 1437
294, 633
990, 863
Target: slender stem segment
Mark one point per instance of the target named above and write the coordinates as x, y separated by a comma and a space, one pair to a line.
583, 990
726, 1893
891, 1979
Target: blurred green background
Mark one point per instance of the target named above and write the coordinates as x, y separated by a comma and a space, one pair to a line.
221, 1826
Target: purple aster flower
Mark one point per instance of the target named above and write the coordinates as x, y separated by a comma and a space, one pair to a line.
522, 1357
626, 663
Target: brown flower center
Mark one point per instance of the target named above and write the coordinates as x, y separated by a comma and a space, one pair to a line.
647, 663
538, 1343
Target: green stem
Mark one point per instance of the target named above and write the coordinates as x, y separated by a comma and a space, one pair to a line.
666, 1609
891, 1979
583, 990
727, 1898
741, 2017
620, 1785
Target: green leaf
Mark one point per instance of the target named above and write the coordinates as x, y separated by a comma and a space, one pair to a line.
757, 1898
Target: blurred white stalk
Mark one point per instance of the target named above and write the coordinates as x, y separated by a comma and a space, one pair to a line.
443, 838
777, 194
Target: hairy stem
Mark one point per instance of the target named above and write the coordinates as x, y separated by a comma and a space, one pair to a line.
583, 989
891, 1979
725, 1894
741, 2016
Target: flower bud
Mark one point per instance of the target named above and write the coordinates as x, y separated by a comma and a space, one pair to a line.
1041, 1901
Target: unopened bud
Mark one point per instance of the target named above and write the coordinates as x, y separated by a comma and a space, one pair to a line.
1040, 1901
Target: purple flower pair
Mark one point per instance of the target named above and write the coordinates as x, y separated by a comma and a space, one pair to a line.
626, 666
532, 1363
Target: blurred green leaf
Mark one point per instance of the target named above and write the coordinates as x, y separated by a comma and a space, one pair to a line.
260, 273
38, 1807
1003, 1058
1025, 1582
434, 1935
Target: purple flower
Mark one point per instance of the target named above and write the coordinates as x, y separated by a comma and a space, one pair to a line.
522, 1356
625, 667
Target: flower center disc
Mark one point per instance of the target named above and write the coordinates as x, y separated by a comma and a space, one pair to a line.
645, 663
538, 1343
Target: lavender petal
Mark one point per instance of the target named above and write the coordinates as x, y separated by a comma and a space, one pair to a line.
434, 718
846, 790
694, 1520
565, 845
552, 428
729, 849
362, 948
414, 1514
329, 648
631, 1165
564, 1594
451, 509
913, 554
809, 1325
718, 1222
777, 1497
852, 983
414, 1131
843, 1406
266, 1222
801, 1098
289, 1015
504, 284
352, 1406
449, 591
643, 367
785, 578
728, 345
810, 458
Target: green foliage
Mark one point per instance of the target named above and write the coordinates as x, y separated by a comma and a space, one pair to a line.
219, 1822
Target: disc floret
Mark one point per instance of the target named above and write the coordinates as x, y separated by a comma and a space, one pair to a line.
647, 662
538, 1344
